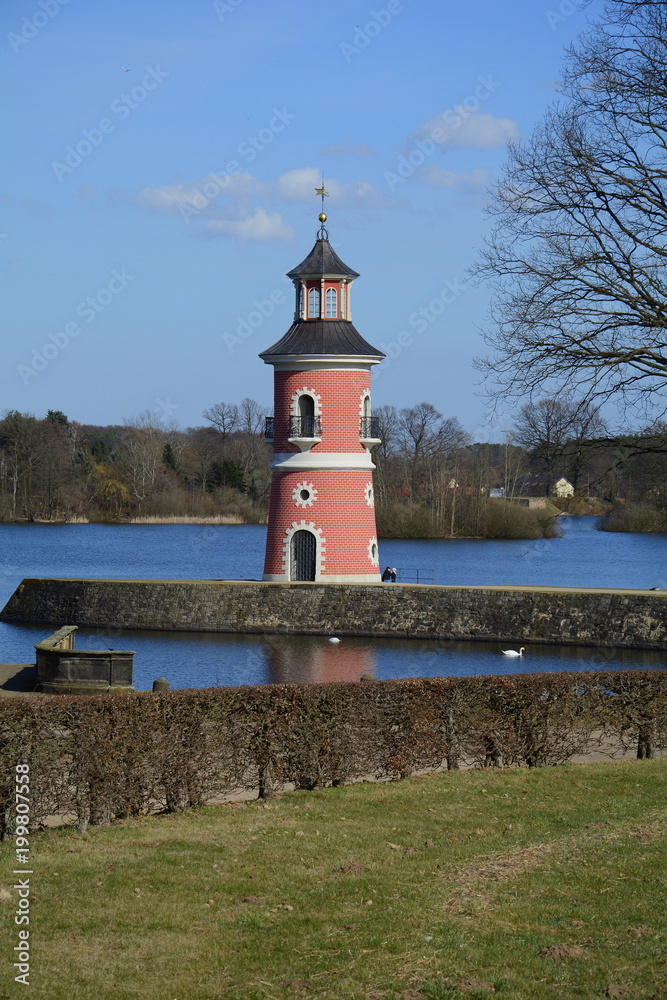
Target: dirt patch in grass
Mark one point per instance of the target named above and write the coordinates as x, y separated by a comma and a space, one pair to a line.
509, 864
351, 866
473, 985
561, 951
643, 931
469, 885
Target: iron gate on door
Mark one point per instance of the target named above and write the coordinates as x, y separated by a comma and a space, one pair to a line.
303, 552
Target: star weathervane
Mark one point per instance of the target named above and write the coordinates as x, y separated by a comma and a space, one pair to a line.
322, 193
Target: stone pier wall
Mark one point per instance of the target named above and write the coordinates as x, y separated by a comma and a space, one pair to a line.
630, 618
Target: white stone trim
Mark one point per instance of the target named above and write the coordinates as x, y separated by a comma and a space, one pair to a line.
369, 493
319, 362
375, 559
320, 551
299, 500
289, 461
317, 399
366, 394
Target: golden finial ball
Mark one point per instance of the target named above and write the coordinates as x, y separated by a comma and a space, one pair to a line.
322, 216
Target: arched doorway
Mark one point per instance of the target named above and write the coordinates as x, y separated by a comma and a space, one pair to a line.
303, 555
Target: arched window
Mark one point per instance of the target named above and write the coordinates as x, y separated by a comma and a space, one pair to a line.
307, 416
331, 303
306, 405
314, 303
368, 425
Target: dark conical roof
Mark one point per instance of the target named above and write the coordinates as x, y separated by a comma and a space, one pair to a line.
322, 259
322, 336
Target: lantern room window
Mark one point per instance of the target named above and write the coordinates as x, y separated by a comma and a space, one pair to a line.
314, 303
331, 303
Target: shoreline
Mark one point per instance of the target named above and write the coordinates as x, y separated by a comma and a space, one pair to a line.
232, 519
213, 519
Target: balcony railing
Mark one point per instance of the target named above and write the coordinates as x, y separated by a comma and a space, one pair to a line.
311, 427
370, 429
305, 427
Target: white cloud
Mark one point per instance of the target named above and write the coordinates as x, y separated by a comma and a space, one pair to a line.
457, 128
260, 227
200, 193
300, 184
470, 183
227, 204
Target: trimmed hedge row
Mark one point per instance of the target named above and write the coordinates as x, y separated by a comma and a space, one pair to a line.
100, 757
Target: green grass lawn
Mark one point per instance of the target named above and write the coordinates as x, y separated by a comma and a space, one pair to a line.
414, 889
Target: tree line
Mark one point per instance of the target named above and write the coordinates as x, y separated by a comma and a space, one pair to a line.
432, 479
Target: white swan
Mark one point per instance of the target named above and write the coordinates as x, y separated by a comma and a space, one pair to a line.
513, 652
334, 639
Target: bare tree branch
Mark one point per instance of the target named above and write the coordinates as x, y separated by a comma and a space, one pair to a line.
578, 253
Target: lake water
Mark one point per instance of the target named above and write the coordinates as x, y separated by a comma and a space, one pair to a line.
583, 557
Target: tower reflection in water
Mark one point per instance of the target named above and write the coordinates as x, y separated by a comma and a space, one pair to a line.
314, 660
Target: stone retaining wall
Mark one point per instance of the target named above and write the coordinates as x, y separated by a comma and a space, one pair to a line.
513, 614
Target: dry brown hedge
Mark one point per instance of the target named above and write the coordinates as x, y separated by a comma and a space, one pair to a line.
102, 757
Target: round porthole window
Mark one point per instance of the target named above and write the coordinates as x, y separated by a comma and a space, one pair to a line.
304, 494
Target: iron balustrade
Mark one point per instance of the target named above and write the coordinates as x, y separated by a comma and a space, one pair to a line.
311, 427
305, 427
411, 575
370, 428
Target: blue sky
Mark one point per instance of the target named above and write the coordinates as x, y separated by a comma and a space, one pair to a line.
161, 183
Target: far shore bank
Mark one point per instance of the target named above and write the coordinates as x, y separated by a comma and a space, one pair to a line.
213, 519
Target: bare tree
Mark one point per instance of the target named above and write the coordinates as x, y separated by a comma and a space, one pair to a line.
224, 417
251, 416
418, 430
387, 417
143, 444
542, 429
577, 257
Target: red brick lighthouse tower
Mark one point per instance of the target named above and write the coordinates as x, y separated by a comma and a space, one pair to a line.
322, 513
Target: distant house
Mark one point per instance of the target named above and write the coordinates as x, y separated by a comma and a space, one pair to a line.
498, 493
563, 488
